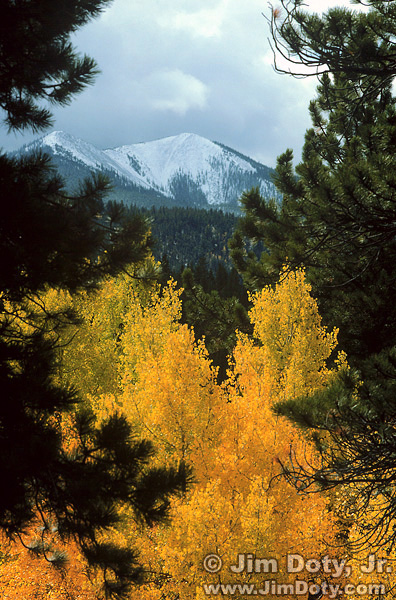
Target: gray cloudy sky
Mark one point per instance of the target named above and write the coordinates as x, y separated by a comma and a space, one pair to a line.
200, 66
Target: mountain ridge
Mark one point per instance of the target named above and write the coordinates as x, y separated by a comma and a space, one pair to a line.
181, 170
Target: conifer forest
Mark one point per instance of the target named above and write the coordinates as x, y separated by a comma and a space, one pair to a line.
196, 403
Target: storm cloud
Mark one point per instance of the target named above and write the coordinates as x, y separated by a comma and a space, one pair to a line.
199, 66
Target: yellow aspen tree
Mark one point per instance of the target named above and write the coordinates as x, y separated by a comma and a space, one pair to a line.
143, 362
89, 351
167, 387
288, 325
91, 361
239, 505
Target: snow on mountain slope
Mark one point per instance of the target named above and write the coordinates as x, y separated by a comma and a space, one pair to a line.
186, 168
63, 145
162, 159
206, 164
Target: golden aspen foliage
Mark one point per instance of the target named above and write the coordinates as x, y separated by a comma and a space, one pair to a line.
88, 359
288, 325
139, 359
25, 576
239, 504
89, 351
169, 386
371, 562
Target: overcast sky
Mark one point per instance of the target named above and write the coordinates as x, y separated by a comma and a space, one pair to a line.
200, 66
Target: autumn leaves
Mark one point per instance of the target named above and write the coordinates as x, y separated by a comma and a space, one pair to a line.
141, 361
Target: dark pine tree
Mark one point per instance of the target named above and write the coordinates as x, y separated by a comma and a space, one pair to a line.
337, 219
48, 238
213, 313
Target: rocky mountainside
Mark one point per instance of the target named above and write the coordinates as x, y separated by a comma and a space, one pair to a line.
184, 170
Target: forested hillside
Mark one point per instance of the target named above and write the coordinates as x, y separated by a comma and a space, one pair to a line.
186, 235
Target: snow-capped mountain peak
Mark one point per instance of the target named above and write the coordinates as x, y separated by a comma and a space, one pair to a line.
63, 146
59, 142
165, 157
186, 169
